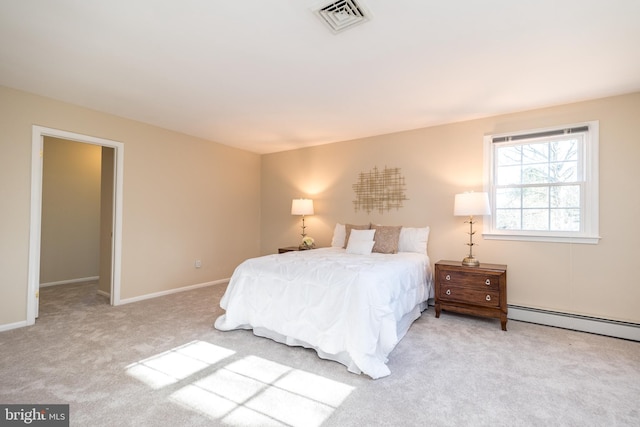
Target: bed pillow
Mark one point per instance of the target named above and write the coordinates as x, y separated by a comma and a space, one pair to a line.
349, 227
387, 238
413, 240
359, 246
339, 236
366, 235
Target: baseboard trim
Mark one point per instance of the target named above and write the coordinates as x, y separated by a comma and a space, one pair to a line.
66, 282
16, 325
172, 291
594, 325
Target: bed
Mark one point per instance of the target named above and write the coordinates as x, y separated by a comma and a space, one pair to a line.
349, 302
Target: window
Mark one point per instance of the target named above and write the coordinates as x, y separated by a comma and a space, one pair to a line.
543, 184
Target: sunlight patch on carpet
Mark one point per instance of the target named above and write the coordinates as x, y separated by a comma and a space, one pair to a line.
177, 364
247, 391
256, 391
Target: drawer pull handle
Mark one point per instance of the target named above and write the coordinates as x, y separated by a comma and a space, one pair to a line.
488, 297
448, 277
487, 282
448, 292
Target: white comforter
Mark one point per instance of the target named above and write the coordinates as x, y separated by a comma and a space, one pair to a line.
350, 308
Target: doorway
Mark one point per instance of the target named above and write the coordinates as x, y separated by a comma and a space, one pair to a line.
113, 153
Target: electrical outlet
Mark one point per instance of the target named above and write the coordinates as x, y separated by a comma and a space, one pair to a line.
198, 263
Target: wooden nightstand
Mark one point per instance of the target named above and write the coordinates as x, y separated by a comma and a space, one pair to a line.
480, 291
288, 249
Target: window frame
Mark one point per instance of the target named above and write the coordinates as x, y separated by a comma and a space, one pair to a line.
589, 209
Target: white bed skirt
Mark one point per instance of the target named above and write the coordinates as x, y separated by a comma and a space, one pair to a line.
402, 327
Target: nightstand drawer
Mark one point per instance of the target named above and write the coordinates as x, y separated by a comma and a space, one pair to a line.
470, 295
480, 280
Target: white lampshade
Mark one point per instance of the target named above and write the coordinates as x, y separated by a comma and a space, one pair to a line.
470, 204
302, 207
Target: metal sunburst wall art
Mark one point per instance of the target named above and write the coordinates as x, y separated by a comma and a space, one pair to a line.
379, 190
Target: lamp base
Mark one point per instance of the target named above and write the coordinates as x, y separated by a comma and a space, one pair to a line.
470, 261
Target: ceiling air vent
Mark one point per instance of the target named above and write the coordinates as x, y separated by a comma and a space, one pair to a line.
342, 14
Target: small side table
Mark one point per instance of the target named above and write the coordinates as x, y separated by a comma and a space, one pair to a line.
288, 249
479, 291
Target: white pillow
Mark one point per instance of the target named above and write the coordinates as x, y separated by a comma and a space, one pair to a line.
359, 247
339, 234
413, 240
366, 235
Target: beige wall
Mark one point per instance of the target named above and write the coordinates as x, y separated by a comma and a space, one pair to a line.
184, 198
594, 280
70, 242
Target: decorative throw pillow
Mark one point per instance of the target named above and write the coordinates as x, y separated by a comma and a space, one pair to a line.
349, 227
359, 247
413, 240
366, 235
339, 236
387, 238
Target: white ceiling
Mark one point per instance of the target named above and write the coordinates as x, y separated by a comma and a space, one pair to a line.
267, 75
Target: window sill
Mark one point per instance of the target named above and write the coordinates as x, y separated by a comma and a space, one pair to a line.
549, 239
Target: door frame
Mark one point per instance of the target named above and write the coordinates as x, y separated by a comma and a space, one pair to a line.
37, 146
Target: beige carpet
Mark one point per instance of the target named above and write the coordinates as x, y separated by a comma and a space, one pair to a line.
160, 362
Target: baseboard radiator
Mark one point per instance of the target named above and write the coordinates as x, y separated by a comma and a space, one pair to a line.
595, 325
